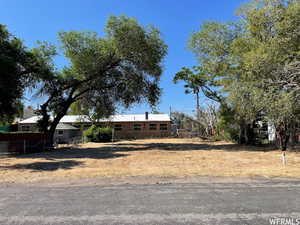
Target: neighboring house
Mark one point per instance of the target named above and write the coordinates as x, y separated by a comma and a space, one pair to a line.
125, 126
28, 112
66, 132
271, 133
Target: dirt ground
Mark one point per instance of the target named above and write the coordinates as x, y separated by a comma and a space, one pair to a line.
150, 158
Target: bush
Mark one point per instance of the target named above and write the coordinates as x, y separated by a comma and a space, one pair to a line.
89, 133
228, 134
98, 134
227, 126
104, 134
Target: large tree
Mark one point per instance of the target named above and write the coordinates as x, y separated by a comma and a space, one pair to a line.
196, 81
119, 69
18, 67
218, 69
255, 61
269, 48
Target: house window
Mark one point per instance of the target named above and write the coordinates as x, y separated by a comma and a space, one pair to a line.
60, 133
137, 127
163, 126
152, 126
25, 128
118, 127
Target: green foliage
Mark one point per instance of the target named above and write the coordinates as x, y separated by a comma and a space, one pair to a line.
18, 68
155, 111
98, 134
119, 69
182, 120
77, 109
89, 133
196, 80
105, 134
255, 61
273, 32
227, 128
4, 129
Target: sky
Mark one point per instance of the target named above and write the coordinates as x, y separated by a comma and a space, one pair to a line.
33, 20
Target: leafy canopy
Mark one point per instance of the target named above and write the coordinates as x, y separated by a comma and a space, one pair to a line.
254, 61
18, 67
119, 69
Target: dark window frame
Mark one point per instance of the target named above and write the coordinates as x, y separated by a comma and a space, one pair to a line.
118, 127
152, 126
163, 126
25, 128
137, 127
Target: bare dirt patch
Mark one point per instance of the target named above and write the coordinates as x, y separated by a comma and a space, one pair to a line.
150, 158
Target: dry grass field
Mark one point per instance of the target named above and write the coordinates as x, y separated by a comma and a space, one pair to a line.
150, 157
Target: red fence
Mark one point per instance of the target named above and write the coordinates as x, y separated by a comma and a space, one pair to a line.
22, 143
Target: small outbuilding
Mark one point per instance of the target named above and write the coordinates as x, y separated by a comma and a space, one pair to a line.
65, 132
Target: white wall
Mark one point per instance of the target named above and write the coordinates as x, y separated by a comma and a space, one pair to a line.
271, 132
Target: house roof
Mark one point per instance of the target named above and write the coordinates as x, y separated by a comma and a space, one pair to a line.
28, 112
32, 119
137, 118
63, 126
114, 118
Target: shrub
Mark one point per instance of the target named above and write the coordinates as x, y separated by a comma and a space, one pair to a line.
89, 133
104, 134
227, 126
228, 134
98, 134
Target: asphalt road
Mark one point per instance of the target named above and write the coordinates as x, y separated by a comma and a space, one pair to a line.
169, 204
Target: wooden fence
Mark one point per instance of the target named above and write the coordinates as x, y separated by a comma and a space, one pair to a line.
23, 143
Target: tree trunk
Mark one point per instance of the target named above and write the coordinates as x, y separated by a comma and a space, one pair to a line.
242, 133
49, 127
198, 113
44, 122
56, 120
283, 135
293, 138
246, 133
250, 137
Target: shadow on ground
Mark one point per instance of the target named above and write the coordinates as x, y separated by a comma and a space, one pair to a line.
44, 166
77, 153
68, 158
190, 147
117, 150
